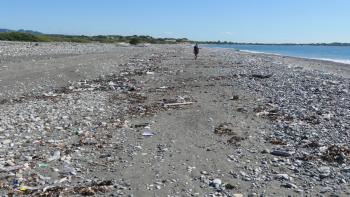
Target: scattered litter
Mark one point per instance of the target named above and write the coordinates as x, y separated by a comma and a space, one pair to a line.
177, 104
235, 97
43, 165
147, 133
56, 155
65, 140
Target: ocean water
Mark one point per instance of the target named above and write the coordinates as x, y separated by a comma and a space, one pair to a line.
331, 53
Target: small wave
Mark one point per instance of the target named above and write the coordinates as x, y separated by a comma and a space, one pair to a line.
250, 51
343, 61
334, 60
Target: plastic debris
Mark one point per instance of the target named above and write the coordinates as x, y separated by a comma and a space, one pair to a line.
56, 155
147, 133
43, 165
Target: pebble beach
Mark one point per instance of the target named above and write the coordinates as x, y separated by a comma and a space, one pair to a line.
108, 120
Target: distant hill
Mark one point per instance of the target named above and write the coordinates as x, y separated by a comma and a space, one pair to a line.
4, 30
21, 30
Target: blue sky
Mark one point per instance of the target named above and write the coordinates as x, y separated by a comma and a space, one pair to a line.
272, 21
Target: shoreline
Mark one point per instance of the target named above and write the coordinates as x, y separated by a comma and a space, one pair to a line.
324, 65
347, 62
342, 61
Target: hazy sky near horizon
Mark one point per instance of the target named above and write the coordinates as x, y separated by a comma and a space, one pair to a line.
272, 21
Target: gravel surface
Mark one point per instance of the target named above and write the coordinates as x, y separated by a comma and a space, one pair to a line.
97, 119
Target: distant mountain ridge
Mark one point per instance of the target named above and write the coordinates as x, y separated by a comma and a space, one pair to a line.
22, 31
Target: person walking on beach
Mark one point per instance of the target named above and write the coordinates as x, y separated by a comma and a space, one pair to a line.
196, 51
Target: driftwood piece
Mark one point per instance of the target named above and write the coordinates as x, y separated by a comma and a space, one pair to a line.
177, 104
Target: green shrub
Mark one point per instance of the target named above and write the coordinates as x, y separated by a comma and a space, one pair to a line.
135, 41
18, 36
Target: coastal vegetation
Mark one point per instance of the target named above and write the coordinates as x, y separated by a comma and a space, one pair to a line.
27, 36
135, 39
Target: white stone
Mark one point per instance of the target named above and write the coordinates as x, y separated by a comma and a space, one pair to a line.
282, 176
217, 182
6, 141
